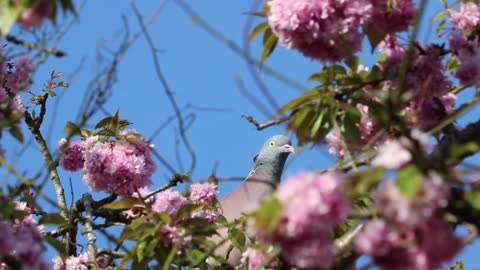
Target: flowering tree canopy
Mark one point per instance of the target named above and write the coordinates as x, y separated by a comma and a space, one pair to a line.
383, 103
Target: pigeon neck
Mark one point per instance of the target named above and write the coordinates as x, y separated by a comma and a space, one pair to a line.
270, 172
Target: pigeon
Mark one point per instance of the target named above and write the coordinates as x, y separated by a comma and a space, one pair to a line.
260, 182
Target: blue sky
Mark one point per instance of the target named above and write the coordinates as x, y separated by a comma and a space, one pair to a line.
200, 71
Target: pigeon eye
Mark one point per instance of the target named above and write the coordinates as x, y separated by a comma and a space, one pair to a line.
272, 143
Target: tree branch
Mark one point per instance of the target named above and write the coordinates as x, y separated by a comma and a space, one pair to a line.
261, 126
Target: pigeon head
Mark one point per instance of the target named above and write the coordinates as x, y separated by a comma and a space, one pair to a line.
271, 158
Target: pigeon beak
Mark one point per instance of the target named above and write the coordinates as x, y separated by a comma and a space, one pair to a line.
289, 148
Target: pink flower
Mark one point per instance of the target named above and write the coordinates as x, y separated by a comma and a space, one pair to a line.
309, 251
209, 215
205, 193
392, 155
20, 78
311, 205
392, 16
368, 131
468, 71
172, 236
431, 196
142, 194
326, 30
17, 105
426, 75
425, 113
375, 239
120, 167
80, 262
423, 247
33, 16
439, 243
467, 17
253, 258
393, 49
58, 263
71, 155
169, 202
6, 238
335, 144
311, 202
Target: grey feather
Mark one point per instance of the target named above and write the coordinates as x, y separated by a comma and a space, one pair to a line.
261, 181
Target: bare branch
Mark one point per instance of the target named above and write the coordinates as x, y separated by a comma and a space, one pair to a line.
261, 126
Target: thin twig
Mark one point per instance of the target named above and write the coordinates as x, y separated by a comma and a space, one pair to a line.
166, 87
35, 46
261, 126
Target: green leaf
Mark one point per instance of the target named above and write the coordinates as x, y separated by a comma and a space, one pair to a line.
104, 122
440, 26
441, 14
375, 75
123, 204
349, 127
199, 226
57, 244
237, 238
196, 256
321, 122
268, 215
269, 43
382, 58
298, 102
186, 210
374, 36
452, 64
473, 197
361, 183
457, 151
353, 62
16, 132
322, 77
409, 181
115, 124
52, 218
72, 129
444, 3
8, 15
50, 93
261, 27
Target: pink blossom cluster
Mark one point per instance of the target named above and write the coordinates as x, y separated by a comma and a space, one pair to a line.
33, 16
253, 258
170, 202
395, 154
466, 51
311, 205
368, 131
432, 195
122, 166
15, 76
80, 262
22, 241
71, 154
395, 246
328, 30
392, 16
466, 18
426, 80
142, 194
409, 236
203, 193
